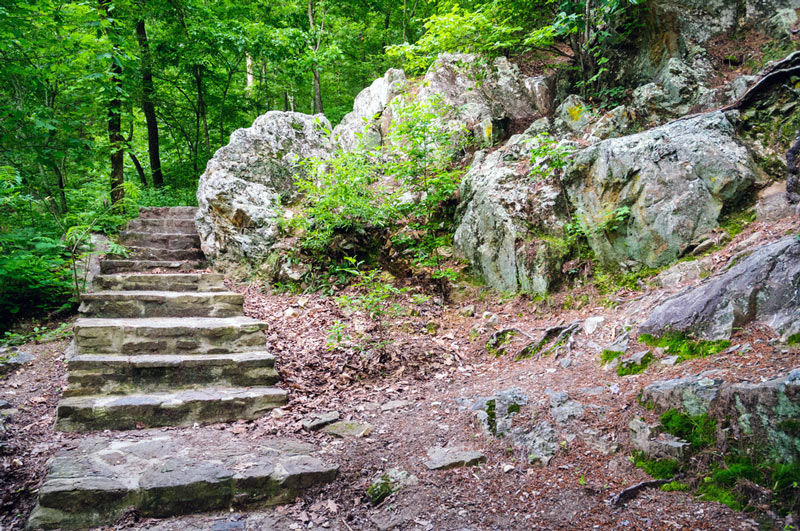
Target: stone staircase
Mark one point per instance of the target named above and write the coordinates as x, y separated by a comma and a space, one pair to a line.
166, 349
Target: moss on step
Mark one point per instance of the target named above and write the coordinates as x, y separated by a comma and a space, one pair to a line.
657, 468
700, 430
627, 369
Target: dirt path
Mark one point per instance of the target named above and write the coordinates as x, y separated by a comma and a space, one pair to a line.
438, 376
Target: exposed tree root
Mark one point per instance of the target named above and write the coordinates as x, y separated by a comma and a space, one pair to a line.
632, 491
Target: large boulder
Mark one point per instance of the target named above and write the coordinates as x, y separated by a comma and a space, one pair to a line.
763, 287
362, 126
241, 192
757, 419
485, 96
678, 87
645, 199
511, 223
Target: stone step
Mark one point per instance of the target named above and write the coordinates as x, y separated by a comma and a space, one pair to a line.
179, 408
159, 240
108, 267
98, 374
150, 253
110, 304
167, 212
174, 225
181, 335
162, 474
162, 282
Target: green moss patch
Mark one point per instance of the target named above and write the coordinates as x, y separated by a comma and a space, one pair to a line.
380, 490
700, 431
793, 340
607, 356
657, 468
626, 369
675, 486
678, 343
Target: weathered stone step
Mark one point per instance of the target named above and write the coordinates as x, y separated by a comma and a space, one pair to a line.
162, 304
99, 374
159, 240
152, 410
108, 267
167, 212
174, 225
170, 474
150, 253
162, 282
184, 335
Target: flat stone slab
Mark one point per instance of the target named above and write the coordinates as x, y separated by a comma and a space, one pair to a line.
203, 282
174, 225
183, 212
320, 420
158, 335
348, 428
181, 408
167, 474
160, 240
109, 304
121, 266
107, 374
445, 458
151, 253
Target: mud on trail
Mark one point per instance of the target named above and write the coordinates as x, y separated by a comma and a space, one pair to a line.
435, 368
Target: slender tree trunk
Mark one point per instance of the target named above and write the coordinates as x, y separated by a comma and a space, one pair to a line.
317, 102
201, 105
148, 91
251, 79
115, 138
139, 169
61, 185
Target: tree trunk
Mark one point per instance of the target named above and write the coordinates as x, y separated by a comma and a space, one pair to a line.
201, 105
148, 91
115, 138
61, 195
139, 169
317, 101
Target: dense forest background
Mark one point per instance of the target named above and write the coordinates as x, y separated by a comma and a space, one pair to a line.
110, 105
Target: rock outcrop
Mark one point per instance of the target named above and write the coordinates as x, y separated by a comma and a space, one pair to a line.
760, 419
245, 183
365, 125
487, 97
763, 287
645, 199
511, 225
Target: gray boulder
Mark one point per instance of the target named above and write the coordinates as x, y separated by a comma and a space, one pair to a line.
763, 287
241, 192
692, 395
365, 120
510, 221
486, 96
644, 199
677, 88
573, 114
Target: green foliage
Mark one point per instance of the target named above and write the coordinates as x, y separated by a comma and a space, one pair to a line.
713, 492
380, 490
548, 156
700, 430
341, 200
793, 340
657, 468
488, 30
677, 343
38, 334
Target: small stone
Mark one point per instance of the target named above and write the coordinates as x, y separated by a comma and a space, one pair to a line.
291, 312
395, 404
389, 482
320, 420
591, 324
348, 428
507, 468
4, 404
669, 361
468, 311
432, 327
565, 362
490, 318
303, 301
446, 458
